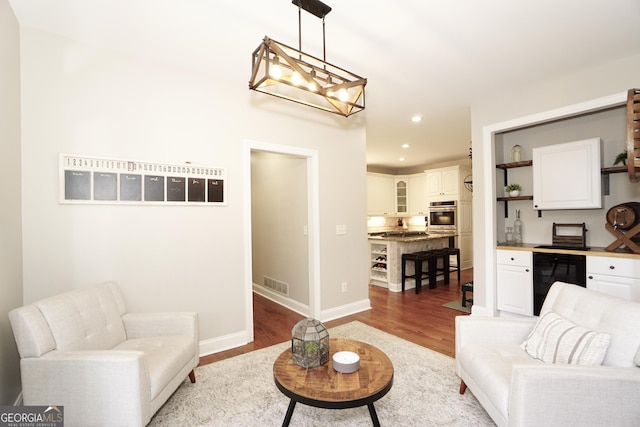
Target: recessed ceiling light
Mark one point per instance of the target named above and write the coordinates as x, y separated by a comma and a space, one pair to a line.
417, 118
401, 159
406, 145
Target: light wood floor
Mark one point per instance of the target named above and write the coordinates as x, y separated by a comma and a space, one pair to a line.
419, 318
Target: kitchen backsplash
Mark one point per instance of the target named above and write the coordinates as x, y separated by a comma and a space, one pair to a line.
377, 224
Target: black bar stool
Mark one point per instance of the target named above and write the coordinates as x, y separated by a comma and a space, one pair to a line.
455, 252
440, 254
420, 261
467, 287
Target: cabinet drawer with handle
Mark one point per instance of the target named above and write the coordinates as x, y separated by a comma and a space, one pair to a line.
613, 266
523, 258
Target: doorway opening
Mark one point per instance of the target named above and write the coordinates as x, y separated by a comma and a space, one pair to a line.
281, 219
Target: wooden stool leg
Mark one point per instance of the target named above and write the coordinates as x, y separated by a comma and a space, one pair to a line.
404, 272
446, 266
433, 271
418, 273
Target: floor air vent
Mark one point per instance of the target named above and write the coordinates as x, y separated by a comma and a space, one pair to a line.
276, 285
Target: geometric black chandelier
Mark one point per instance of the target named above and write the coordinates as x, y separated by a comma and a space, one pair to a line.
288, 73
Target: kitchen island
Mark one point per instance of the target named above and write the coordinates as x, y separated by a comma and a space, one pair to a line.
386, 251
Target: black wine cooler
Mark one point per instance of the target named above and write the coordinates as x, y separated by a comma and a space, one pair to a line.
553, 267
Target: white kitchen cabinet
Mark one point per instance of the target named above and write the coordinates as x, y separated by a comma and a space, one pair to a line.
442, 182
515, 282
465, 217
619, 277
418, 205
567, 176
380, 194
401, 188
446, 183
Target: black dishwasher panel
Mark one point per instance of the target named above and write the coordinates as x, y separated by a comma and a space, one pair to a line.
553, 267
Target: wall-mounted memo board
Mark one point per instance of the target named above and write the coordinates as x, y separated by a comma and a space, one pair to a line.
96, 180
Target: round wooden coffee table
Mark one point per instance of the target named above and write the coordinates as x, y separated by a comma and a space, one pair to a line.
323, 387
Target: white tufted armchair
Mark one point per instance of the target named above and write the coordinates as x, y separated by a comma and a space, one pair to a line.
83, 351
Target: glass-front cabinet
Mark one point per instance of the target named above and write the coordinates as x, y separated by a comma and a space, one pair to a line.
401, 192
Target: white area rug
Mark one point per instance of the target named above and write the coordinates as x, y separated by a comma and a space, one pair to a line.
240, 391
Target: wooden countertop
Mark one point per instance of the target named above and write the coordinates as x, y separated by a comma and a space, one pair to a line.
593, 251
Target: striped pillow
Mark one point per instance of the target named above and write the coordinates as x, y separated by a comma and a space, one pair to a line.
554, 339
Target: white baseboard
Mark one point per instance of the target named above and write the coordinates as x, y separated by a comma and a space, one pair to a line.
302, 309
345, 310
226, 342
397, 287
291, 304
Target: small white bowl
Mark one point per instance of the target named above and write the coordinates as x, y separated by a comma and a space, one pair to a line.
346, 362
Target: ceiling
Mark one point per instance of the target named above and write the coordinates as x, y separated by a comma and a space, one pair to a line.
426, 57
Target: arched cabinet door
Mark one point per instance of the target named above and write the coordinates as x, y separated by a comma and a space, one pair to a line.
402, 196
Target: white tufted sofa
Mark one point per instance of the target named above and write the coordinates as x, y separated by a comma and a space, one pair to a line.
519, 390
82, 350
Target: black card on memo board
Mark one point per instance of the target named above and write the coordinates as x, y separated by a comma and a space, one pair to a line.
176, 189
196, 188
105, 186
77, 185
130, 187
154, 188
216, 190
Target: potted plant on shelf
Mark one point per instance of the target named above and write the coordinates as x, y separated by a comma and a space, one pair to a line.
513, 190
621, 158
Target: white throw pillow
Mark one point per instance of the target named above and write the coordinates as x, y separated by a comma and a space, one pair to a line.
554, 339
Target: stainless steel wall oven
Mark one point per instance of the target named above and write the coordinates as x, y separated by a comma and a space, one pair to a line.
443, 217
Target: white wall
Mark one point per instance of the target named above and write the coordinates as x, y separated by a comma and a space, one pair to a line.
90, 101
10, 230
600, 81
